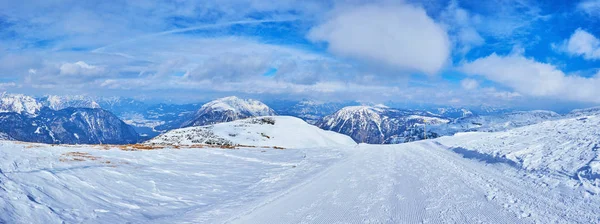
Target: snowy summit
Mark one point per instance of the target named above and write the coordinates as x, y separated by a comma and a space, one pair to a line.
228, 109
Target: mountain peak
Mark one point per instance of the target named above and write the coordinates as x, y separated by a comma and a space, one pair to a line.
379, 124
228, 109
19, 103
233, 103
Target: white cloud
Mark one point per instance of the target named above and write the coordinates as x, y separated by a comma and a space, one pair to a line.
533, 78
80, 68
591, 7
400, 36
469, 84
582, 43
5, 85
461, 25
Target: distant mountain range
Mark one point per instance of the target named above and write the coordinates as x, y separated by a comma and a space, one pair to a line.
67, 126
497, 122
87, 120
310, 111
61, 120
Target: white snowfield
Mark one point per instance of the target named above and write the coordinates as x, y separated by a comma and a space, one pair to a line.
566, 147
420, 182
271, 131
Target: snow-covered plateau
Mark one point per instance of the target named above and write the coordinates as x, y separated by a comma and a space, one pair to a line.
542, 173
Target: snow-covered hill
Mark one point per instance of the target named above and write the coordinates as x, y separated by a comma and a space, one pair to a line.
566, 147
275, 131
380, 124
20, 104
228, 109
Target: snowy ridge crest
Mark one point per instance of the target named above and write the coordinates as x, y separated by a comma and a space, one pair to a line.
61, 102
19, 103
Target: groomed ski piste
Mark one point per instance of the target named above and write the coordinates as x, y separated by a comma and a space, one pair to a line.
543, 173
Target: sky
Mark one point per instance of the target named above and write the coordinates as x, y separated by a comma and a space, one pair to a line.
535, 54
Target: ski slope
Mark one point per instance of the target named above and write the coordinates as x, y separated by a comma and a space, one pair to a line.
419, 182
423, 182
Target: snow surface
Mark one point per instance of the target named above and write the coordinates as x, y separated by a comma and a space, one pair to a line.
419, 182
542, 173
287, 132
565, 147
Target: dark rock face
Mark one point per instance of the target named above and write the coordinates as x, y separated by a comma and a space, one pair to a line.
380, 125
68, 126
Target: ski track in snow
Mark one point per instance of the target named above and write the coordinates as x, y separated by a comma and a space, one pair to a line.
419, 182
423, 183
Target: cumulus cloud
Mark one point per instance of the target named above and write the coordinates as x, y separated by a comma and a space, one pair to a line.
399, 36
533, 78
581, 43
80, 68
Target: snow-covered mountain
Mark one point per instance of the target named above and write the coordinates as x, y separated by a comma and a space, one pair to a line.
271, 131
566, 147
310, 110
68, 126
20, 104
380, 124
61, 102
453, 112
492, 123
228, 109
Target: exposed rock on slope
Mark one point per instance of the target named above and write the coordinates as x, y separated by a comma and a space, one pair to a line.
281, 131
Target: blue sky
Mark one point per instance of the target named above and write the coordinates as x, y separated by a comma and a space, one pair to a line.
520, 53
